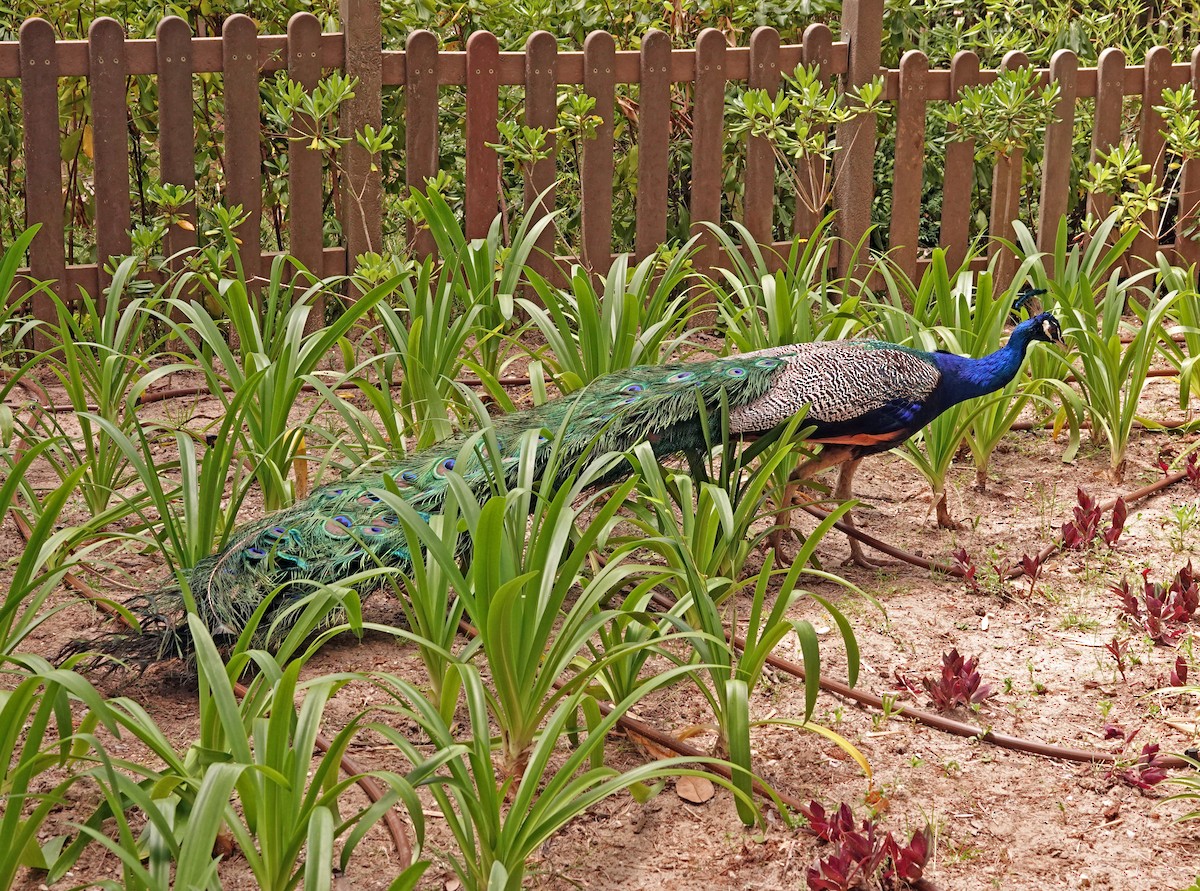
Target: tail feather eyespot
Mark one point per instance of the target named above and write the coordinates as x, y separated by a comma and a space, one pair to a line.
339, 526
681, 376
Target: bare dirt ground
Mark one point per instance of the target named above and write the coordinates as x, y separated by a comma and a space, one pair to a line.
1000, 819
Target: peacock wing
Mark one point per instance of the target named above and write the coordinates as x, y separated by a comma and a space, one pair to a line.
878, 387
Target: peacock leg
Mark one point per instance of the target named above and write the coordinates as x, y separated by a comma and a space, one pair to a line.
830, 456
844, 492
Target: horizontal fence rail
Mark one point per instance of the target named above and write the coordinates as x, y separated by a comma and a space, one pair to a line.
242, 56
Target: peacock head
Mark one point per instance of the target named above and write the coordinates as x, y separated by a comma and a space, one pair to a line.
1044, 327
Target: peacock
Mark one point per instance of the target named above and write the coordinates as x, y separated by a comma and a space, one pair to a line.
862, 397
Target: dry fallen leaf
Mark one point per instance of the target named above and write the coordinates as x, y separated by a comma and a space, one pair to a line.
695, 790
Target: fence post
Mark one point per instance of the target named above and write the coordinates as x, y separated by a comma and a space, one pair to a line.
43, 167
362, 187
853, 185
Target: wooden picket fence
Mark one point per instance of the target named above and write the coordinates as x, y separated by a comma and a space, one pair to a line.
242, 55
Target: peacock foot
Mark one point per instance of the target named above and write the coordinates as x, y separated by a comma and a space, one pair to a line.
785, 543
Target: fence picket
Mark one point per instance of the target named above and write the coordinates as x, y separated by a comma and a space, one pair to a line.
305, 165
1056, 157
483, 164
421, 126
812, 194
959, 178
361, 180
1152, 145
1106, 132
654, 132
176, 127
854, 181
43, 166
1187, 244
908, 178
708, 142
243, 157
596, 177
1006, 195
541, 110
758, 200
110, 143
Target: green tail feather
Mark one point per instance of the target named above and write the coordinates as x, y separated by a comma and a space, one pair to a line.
344, 527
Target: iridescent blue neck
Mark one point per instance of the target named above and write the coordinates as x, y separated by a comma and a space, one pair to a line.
966, 378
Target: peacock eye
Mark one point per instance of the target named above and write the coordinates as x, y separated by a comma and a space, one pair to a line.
255, 553
735, 371
406, 478
385, 520
338, 526
629, 401
680, 376
274, 533
368, 498
767, 363
632, 388
445, 466
375, 530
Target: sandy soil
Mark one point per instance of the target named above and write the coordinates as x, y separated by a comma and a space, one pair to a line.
1000, 819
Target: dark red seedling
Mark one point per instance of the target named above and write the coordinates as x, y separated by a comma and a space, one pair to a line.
1145, 773
1031, 568
970, 572
1179, 673
1118, 648
959, 683
861, 856
1084, 526
1162, 613
1119, 515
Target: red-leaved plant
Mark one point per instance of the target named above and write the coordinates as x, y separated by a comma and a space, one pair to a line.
1145, 773
1162, 612
1079, 533
861, 854
958, 684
